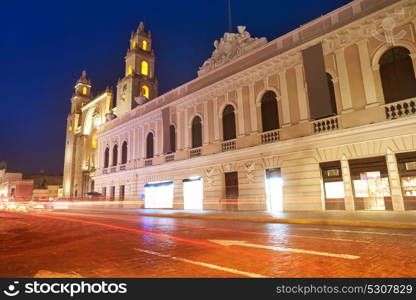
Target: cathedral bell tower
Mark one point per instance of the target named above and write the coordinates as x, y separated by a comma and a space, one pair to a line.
139, 79
81, 96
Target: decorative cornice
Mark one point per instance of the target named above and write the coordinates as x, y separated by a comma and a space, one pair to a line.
334, 40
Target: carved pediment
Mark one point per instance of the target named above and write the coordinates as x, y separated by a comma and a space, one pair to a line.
230, 47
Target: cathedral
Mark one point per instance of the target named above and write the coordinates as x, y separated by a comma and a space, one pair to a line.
321, 118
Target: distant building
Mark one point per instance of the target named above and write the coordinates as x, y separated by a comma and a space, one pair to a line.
46, 186
14, 188
21, 188
321, 118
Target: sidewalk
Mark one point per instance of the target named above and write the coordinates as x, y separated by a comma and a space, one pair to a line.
380, 219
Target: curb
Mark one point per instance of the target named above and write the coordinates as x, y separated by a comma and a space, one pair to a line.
391, 225
328, 222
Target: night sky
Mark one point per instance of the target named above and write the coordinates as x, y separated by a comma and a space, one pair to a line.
44, 46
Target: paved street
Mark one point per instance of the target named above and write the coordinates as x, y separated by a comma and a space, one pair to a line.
113, 244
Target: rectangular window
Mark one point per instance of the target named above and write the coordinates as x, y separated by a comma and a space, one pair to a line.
104, 192
371, 185
231, 191
333, 185
406, 163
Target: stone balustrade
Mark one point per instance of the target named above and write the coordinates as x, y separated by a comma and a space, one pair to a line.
326, 125
270, 137
148, 162
195, 153
229, 145
400, 109
170, 157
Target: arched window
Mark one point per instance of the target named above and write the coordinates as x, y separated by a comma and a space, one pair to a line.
129, 70
106, 158
115, 155
145, 91
331, 88
172, 136
124, 153
397, 75
145, 68
149, 146
84, 90
196, 132
228, 123
144, 45
269, 113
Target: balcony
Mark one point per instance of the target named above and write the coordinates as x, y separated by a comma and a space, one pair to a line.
270, 137
400, 109
195, 153
148, 162
123, 167
169, 157
113, 169
326, 125
105, 171
229, 146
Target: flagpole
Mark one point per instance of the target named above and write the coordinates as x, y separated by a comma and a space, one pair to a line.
230, 23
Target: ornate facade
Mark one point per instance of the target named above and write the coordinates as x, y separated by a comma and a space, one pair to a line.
321, 118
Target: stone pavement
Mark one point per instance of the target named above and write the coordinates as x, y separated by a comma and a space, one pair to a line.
108, 244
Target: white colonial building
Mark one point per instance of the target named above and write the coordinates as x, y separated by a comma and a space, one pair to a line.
322, 118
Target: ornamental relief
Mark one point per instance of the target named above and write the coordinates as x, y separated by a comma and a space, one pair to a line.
210, 175
379, 27
229, 167
230, 47
250, 168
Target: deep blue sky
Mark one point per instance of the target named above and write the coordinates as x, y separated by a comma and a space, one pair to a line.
44, 46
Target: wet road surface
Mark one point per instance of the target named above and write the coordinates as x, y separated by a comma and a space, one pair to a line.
113, 244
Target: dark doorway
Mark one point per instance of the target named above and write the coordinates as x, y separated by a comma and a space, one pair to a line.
122, 192
231, 191
112, 193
